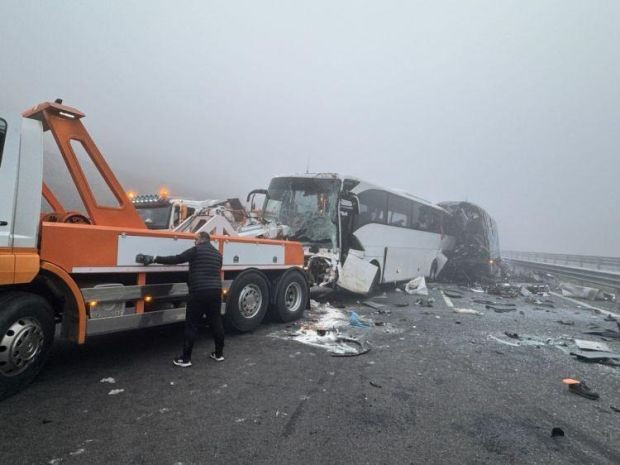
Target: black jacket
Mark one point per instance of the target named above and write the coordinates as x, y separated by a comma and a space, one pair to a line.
205, 265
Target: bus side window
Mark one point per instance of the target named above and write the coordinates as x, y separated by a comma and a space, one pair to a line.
372, 207
399, 210
415, 215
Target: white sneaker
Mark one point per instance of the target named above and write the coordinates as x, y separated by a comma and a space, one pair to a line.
216, 358
182, 363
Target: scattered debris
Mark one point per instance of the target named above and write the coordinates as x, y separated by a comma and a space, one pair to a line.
557, 432
500, 309
615, 409
453, 293
80, 451
373, 384
605, 358
359, 322
591, 345
580, 388
425, 301
584, 292
417, 286
504, 290
566, 323
501, 341
511, 335
107, 380
491, 302
371, 304
467, 311
114, 392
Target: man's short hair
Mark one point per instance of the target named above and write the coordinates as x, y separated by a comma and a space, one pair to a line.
203, 236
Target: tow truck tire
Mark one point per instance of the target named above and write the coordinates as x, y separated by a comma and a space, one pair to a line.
248, 301
291, 296
26, 337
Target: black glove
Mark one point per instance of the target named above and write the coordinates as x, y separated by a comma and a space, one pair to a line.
144, 259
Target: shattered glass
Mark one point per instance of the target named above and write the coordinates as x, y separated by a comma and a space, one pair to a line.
308, 206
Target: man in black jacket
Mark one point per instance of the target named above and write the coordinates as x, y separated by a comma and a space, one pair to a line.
205, 294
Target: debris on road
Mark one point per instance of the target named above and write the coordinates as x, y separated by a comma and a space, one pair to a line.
114, 392
566, 323
425, 301
511, 335
557, 432
584, 292
417, 286
467, 311
371, 304
604, 358
500, 309
373, 384
580, 388
453, 293
359, 322
591, 345
107, 380
504, 290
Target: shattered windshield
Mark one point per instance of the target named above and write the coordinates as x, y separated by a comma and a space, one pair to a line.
155, 217
307, 206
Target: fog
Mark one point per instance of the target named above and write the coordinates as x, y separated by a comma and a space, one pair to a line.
512, 105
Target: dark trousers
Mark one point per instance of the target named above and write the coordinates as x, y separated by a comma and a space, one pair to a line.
198, 304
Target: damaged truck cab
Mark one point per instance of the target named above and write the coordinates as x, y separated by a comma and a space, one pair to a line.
357, 235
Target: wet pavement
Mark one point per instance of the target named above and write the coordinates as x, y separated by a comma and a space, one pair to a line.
436, 387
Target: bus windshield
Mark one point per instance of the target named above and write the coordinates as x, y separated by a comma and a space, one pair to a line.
155, 216
307, 206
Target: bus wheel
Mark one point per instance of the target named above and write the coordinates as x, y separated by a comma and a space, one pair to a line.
26, 337
247, 301
291, 296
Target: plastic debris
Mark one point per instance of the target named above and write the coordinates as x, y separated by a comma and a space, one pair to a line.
114, 392
417, 286
581, 292
107, 380
358, 322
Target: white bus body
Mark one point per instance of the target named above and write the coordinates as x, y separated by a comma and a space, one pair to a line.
357, 234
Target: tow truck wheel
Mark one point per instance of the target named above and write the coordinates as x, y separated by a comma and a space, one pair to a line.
291, 296
247, 301
26, 337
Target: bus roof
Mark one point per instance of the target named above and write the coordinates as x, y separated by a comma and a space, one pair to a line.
365, 185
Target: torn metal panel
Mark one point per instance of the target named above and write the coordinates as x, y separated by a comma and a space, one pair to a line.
357, 275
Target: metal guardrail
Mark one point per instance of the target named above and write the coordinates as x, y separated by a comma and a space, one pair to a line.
591, 262
579, 268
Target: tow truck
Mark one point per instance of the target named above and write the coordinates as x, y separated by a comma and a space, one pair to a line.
72, 274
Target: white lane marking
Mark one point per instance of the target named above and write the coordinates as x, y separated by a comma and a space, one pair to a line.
447, 300
583, 304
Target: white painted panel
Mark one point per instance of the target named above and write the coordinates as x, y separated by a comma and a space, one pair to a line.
410, 253
130, 246
28, 210
251, 254
8, 177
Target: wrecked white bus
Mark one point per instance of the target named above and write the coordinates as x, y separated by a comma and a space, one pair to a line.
357, 235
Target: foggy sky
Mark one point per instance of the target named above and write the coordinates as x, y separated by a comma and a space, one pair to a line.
514, 105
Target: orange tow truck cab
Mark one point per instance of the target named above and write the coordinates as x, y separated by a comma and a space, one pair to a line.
73, 273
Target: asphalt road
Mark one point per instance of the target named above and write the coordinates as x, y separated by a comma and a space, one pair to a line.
443, 391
